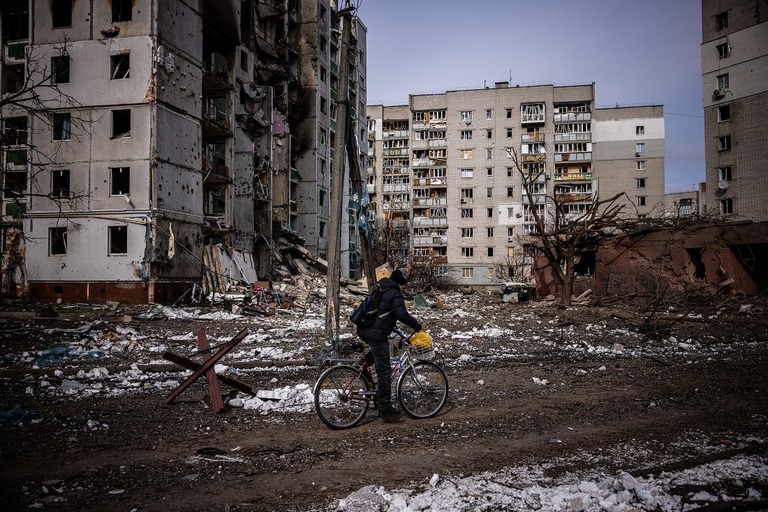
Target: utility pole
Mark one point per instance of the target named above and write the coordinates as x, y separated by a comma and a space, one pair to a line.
333, 275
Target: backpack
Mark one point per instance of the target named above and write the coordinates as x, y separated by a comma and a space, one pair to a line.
367, 311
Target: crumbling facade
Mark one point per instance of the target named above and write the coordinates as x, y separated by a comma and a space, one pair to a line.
445, 164
173, 127
734, 75
694, 261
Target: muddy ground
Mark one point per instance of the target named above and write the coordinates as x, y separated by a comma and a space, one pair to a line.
579, 388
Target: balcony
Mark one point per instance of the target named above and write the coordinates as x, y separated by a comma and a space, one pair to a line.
573, 157
396, 206
583, 197
537, 199
427, 144
395, 152
430, 182
395, 134
430, 201
572, 117
396, 187
573, 137
535, 137
430, 221
533, 113
573, 176
534, 158
295, 176
429, 125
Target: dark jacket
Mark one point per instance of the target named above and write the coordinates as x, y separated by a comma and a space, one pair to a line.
392, 309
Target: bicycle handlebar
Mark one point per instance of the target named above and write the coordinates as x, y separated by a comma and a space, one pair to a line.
403, 337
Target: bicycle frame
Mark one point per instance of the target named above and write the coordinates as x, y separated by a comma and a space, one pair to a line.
399, 363
421, 387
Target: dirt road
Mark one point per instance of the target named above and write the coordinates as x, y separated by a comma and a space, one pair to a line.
568, 389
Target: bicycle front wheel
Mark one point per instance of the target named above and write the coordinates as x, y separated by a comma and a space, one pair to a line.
342, 396
422, 389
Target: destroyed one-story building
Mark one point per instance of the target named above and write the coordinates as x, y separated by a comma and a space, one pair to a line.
724, 258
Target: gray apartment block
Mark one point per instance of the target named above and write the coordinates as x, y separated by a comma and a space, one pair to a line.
469, 150
734, 73
629, 157
174, 127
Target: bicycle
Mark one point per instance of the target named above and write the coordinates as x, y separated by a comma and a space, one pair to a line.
344, 392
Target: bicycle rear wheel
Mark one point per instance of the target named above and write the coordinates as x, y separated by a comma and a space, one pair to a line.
422, 389
342, 396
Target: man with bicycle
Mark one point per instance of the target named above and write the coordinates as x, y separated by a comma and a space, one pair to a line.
392, 308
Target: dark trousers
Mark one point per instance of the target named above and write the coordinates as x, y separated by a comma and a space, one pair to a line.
380, 351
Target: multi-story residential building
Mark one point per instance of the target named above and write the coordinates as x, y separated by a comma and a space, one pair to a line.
170, 127
388, 179
629, 157
734, 73
471, 150
682, 204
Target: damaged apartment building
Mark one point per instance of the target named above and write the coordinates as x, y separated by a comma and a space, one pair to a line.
166, 135
443, 181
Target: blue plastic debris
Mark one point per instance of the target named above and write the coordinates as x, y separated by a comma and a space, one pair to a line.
17, 417
57, 355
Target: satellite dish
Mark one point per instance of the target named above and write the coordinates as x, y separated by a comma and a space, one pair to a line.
723, 184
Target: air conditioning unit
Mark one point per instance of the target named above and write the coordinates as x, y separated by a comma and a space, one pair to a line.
718, 93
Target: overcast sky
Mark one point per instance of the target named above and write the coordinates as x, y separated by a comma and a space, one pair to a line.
637, 53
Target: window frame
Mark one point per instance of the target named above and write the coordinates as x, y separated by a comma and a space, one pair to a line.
61, 66
723, 82
117, 123
61, 8
61, 181
723, 112
721, 21
61, 127
112, 248
119, 11
723, 50
120, 66
57, 241
114, 183
13, 77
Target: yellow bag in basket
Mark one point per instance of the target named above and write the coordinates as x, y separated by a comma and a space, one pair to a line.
422, 340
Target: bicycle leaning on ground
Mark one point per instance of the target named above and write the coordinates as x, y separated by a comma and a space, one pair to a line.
343, 393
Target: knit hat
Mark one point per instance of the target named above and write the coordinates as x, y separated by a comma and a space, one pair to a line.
398, 277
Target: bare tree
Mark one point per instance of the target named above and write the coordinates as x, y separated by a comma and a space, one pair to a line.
31, 92
560, 231
512, 267
426, 274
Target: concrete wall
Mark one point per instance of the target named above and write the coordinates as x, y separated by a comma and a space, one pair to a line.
746, 101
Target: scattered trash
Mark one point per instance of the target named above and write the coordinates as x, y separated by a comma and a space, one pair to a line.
540, 382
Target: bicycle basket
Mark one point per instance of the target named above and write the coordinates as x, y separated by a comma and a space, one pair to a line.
421, 346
